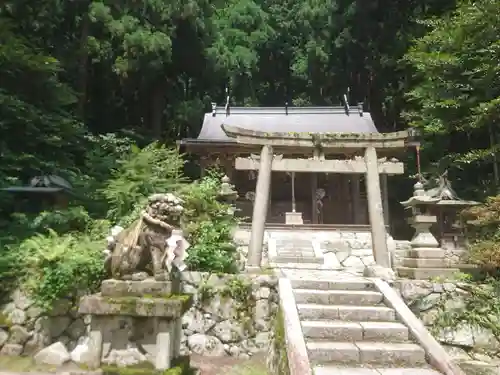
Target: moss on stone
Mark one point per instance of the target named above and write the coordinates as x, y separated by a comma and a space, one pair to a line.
168, 306
114, 370
180, 366
280, 344
4, 321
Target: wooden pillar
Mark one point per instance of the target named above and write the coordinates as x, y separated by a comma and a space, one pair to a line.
356, 198
345, 202
375, 209
314, 206
204, 163
260, 207
228, 164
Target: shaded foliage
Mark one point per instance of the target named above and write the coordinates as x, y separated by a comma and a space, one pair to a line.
85, 85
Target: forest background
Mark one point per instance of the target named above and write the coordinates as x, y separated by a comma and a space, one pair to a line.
85, 85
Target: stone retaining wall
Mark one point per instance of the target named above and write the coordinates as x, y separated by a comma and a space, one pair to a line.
232, 315
463, 343
342, 247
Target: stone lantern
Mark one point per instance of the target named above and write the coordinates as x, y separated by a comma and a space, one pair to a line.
228, 194
425, 259
421, 219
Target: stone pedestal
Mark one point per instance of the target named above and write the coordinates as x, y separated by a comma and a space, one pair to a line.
426, 258
294, 218
423, 238
131, 314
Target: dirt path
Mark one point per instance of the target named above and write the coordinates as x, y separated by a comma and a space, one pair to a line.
207, 366
230, 366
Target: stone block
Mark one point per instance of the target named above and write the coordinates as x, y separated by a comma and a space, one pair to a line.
317, 312
129, 288
169, 307
426, 253
293, 218
384, 331
342, 331
424, 263
398, 354
427, 273
332, 284
338, 297
366, 313
327, 351
11, 350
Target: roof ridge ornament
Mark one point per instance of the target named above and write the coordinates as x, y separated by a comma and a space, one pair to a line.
214, 109
360, 109
228, 107
346, 103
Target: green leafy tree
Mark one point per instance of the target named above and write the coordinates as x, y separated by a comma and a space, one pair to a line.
39, 134
208, 226
456, 100
153, 169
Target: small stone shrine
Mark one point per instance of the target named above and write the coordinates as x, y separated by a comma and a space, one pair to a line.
450, 229
141, 305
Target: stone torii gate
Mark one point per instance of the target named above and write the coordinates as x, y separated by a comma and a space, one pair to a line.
318, 143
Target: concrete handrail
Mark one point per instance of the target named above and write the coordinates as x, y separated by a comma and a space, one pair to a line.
298, 358
437, 356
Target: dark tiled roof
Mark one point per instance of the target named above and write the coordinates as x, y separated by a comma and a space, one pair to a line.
275, 119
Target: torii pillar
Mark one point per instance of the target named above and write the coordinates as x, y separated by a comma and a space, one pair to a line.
260, 207
376, 209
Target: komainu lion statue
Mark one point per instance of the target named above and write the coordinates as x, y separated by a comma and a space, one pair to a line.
146, 247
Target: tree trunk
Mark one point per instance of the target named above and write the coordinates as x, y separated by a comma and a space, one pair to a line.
496, 176
157, 107
83, 64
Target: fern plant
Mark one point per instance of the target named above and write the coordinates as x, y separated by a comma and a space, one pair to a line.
60, 266
153, 169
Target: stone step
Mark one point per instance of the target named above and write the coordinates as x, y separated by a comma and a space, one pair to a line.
295, 254
296, 266
334, 370
426, 253
427, 273
366, 353
338, 297
297, 259
424, 262
333, 284
304, 249
346, 313
294, 248
355, 331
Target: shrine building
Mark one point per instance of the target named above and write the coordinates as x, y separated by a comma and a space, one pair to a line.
335, 197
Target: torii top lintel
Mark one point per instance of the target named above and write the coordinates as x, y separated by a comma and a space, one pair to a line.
392, 140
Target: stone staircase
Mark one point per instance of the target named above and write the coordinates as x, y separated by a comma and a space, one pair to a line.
348, 329
295, 251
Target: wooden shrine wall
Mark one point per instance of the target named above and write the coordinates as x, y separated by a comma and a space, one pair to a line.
337, 204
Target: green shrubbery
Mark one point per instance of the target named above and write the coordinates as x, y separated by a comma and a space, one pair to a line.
483, 227
476, 300
56, 253
208, 226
